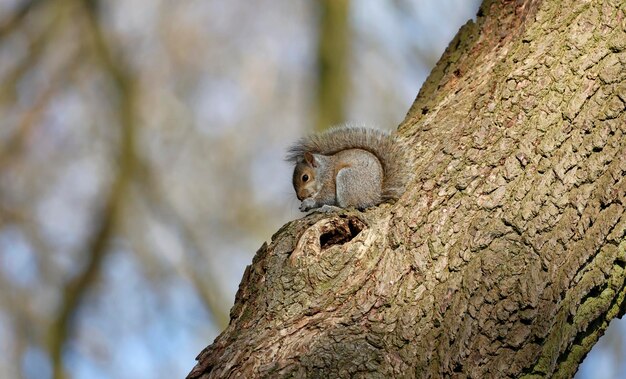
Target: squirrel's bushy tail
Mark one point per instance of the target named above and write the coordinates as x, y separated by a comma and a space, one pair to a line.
387, 148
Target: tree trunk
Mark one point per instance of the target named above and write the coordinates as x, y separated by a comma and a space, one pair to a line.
332, 62
506, 256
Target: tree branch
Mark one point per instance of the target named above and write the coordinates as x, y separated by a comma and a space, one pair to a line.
506, 255
208, 288
11, 23
332, 62
97, 243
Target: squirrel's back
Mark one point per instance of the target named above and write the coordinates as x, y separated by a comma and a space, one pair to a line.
384, 146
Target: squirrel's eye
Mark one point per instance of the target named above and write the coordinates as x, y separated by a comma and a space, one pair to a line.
305, 177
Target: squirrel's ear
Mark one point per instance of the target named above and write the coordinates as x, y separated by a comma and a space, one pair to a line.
310, 159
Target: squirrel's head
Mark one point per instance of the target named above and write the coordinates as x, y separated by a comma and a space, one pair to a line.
304, 176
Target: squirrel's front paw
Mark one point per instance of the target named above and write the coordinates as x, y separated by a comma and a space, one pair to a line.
328, 209
307, 204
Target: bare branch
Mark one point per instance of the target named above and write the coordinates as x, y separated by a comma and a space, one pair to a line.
208, 288
96, 246
13, 22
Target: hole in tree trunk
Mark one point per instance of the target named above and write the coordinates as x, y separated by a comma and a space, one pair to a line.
340, 231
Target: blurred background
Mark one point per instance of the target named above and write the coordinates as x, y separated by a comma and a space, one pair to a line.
141, 161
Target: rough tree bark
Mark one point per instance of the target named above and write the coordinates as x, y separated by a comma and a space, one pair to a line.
506, 256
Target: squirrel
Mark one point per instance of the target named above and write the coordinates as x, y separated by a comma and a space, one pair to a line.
348, 167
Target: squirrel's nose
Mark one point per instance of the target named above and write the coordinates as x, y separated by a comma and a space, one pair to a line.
303, 194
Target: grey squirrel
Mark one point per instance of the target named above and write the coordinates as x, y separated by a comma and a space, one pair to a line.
348, 167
